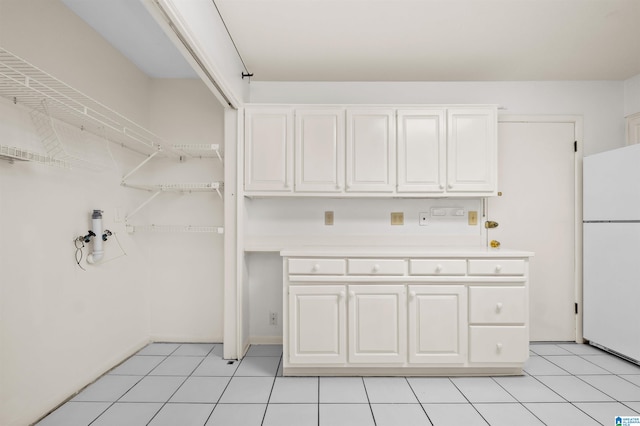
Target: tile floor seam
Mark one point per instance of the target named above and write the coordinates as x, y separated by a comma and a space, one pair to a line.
264, 415
366, 392
468, 401
518, 401
418, 399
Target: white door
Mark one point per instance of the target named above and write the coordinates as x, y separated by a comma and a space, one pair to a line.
371, 150
536, 212
319, 150
377, 324
268, 149
471, 150
437, 324
421, 150
317, 324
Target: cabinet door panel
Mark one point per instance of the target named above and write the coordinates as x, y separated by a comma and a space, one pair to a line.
317, 324
268, 150
421, 151
371, 150
490, 344
437, 324
377, 324
320, 150
471, 150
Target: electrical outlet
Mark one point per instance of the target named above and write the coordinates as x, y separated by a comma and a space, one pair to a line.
473, 218
273, 318
423, 219
397, 218
328, 218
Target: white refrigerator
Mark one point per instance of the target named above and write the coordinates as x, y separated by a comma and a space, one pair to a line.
611, 256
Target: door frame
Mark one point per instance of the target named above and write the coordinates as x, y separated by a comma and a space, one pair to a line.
577, 121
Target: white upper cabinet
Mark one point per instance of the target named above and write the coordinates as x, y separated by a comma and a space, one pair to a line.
422, 145
472, 150
371, 150
268, 149
319, 147
355, 151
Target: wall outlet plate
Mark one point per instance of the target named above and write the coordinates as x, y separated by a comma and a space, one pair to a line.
423, 219
473, 217
328, 218
397, 218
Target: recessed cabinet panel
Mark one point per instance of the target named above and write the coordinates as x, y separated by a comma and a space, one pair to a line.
320, 150
437, 324
497, 267
421, 151
269, 150
377, 266
371, 150
489, 344
497, 305
472, 150
317, 266
317, 326
437, 267
377, 324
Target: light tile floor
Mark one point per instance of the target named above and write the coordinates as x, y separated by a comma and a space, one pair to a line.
191, 385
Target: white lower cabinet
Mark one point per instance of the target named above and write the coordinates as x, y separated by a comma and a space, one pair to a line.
377, 324
437, 324
410, 316
317, 325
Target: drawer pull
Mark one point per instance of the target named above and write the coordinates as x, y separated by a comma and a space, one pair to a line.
498, 268
439, 268
376, 268
498, 307
499, 347
315, 268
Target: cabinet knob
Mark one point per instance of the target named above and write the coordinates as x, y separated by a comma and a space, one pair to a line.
352, 294
376, 268
441, 186
341, 295
315, 268
499, 307
450, 186
498, 268
498, 347
439, 268
412, 294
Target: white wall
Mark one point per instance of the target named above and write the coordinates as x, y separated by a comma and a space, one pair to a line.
61, 327
632, 95
599, 102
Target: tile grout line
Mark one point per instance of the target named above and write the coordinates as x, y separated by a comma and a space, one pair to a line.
470, 403
418, 399
520, 402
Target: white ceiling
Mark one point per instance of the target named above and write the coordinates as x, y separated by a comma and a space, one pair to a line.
399, 40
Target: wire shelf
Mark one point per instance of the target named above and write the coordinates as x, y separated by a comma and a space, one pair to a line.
175, 228
199, 150
25, 84
12, 153
178, 187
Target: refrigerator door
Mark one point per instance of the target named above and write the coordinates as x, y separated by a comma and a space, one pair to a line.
611, 185
612, 286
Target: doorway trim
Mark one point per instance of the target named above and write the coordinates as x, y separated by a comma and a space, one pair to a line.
577, 121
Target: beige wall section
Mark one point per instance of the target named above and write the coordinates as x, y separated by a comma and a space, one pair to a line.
186, 287
61, 327
50, 36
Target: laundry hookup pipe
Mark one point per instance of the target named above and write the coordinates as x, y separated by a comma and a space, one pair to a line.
96, 226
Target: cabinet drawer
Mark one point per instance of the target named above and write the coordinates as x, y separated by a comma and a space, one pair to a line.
497, 305
489, 344
496, 267
317, 266
377, 266
437, 267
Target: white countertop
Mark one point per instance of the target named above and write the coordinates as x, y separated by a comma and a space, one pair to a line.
402, 251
